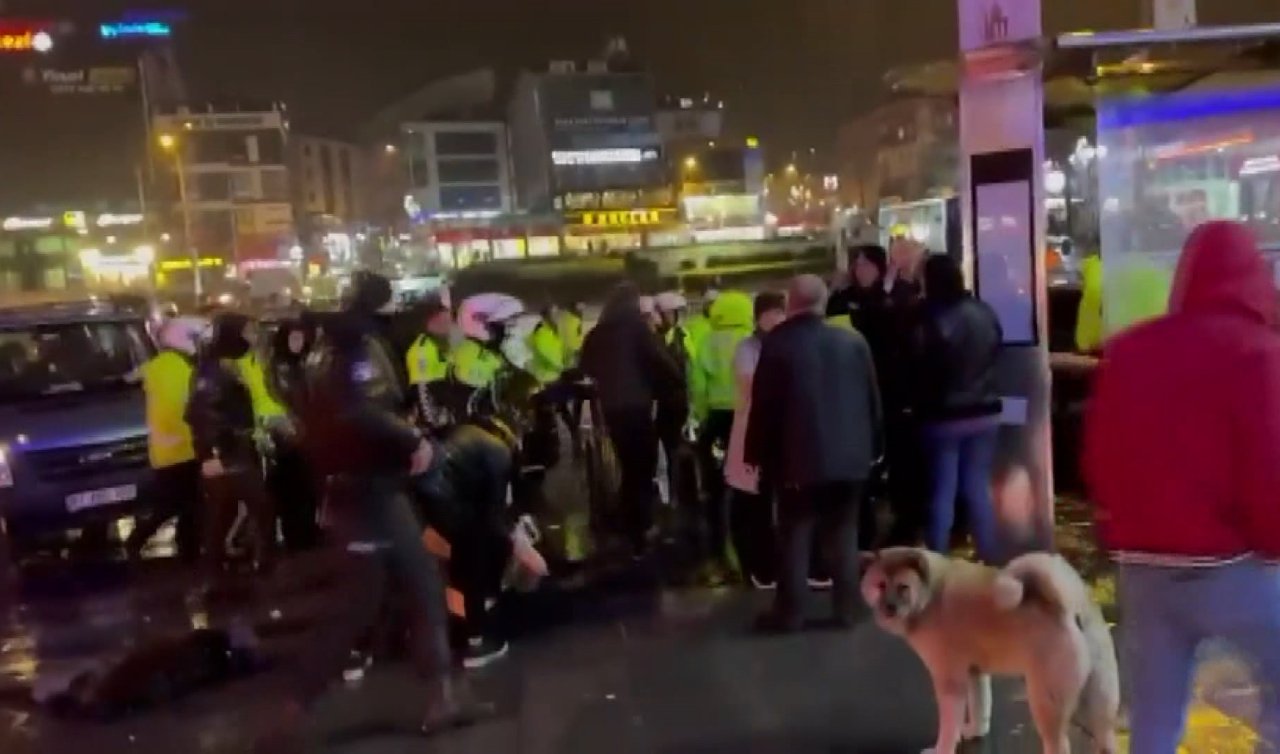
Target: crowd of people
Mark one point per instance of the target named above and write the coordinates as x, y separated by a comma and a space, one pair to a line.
806, 411
784, 416
791, 420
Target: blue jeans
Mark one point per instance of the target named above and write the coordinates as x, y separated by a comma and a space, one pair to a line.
1167, 613
961, 455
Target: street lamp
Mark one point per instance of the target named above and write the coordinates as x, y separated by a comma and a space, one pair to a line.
691, 163
170, 145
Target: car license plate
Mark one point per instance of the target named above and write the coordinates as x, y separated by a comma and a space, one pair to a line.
95, 498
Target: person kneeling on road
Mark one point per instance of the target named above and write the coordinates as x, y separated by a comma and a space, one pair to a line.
463, 497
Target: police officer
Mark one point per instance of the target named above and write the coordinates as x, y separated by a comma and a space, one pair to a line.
166, 381
477, 362
671, 307
220, 413
355, 432
427, 365
546, 348
568, 325
253, 373
713, 385
699, 325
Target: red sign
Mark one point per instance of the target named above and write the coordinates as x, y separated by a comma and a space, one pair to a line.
24, 37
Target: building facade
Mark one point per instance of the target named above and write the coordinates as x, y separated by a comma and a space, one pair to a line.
905, 150
586, 146
328, 177
235, 191
457, 169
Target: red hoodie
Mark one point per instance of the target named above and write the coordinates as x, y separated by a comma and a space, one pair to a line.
1182, 436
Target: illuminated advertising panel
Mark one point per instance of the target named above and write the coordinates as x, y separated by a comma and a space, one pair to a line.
24, 37
603, 156
102, 80
1167, 163
135, 29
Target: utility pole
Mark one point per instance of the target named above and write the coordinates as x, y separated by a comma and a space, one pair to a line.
196, 284
170, 144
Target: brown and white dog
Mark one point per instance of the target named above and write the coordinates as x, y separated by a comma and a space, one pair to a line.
1033, 618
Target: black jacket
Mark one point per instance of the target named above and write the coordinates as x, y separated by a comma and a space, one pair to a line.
954, 366
815, 406
353, 421
220, 412
629, 364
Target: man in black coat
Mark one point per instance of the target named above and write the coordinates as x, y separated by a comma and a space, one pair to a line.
220, 414
355, 434
632, 371
815, 431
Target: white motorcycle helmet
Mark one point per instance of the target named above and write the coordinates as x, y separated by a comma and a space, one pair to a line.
182, 334
515, 342
671, 301
478, 312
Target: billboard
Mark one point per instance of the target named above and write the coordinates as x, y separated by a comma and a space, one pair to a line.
135, 29
19, 37
99, 80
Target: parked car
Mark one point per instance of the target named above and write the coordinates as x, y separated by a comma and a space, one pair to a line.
73, 433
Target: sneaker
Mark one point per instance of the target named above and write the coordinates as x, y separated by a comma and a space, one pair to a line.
483, 651
820, 585
763, 586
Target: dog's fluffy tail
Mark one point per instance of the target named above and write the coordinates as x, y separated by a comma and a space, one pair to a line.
1043, 579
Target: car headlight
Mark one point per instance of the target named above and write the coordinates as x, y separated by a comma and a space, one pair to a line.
6, 471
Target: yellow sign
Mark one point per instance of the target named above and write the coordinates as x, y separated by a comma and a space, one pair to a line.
74, 219
626, 217
169, 265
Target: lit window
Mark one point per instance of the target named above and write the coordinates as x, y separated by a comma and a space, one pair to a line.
601, 99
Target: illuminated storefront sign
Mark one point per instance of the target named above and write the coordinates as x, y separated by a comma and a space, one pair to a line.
25, 40
1260, 166
135, 30
106, 80
621, 156
169, 265
27, 223
109, 220
614, 218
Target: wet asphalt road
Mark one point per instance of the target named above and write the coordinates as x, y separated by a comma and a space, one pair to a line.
617, 663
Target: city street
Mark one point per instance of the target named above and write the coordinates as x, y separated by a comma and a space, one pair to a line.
620, 664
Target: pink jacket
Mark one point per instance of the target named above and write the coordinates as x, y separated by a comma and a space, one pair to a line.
1182, 436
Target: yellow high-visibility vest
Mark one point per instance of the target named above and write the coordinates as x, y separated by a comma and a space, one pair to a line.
166, 381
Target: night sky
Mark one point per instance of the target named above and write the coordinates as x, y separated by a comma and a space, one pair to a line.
789, 70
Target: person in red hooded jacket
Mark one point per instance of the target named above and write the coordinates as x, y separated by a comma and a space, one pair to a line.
1182, 458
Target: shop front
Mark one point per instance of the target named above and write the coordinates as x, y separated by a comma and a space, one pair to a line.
605, 231
1172, 162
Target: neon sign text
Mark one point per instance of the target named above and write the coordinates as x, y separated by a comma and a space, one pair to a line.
132, 29
25, 40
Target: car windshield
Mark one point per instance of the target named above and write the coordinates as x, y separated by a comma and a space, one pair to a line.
69, 358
